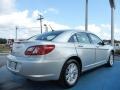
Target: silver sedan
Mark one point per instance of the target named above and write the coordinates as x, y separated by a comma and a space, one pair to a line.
59, 55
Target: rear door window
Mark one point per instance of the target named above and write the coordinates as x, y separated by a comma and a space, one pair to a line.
73, 39
83, 38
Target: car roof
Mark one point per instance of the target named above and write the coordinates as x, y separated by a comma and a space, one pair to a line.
73, 30
67, 33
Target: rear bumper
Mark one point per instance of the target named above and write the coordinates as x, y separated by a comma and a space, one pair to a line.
40, 70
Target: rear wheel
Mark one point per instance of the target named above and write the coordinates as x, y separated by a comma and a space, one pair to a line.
70, 73
111, 60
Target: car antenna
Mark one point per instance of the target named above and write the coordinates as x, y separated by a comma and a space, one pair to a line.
51, 28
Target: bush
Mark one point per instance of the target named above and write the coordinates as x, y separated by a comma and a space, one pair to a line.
3, 41
117, 52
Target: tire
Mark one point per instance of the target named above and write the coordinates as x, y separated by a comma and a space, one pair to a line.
111, 60
70, 73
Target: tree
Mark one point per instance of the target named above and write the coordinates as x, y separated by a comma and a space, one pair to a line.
3, 41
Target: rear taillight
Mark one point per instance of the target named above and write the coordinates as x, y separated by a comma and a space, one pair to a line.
39, 50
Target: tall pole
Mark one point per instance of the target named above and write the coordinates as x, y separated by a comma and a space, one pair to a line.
40, 18
112, 26
16, 29
86, 15
112, 4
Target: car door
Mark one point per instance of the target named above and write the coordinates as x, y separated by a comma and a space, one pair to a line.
101, 49
85, 50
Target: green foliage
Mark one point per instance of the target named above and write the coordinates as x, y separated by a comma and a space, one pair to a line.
3, 41
117, 52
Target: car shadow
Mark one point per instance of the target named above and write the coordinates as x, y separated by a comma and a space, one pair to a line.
14, 82
9, 81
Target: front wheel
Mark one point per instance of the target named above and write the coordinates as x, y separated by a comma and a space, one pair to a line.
70, 73
111, 60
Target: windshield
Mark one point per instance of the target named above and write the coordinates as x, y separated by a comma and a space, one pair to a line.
49, 36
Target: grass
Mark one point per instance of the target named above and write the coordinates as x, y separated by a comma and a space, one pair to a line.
4, 48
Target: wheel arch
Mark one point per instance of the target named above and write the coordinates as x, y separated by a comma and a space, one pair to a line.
77, 59
72, 57
113, 52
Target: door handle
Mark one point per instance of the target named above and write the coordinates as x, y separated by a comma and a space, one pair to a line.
80, 46
97, 46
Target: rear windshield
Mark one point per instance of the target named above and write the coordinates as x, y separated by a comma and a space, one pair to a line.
49, 36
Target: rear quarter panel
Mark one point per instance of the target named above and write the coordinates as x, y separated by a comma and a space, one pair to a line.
62, 51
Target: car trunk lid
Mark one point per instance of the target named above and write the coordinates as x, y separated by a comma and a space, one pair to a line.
19, 47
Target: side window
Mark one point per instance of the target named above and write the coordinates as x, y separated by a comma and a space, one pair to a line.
72, 38
95, 39
83, 38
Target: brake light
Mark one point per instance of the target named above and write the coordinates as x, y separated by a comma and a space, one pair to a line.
39, 50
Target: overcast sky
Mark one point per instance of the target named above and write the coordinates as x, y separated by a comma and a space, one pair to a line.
60, 14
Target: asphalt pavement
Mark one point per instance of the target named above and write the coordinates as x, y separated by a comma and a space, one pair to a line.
101, 78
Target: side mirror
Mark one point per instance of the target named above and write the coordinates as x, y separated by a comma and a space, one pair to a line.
101, 43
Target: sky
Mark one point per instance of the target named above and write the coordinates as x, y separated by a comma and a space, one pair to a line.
59, 14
